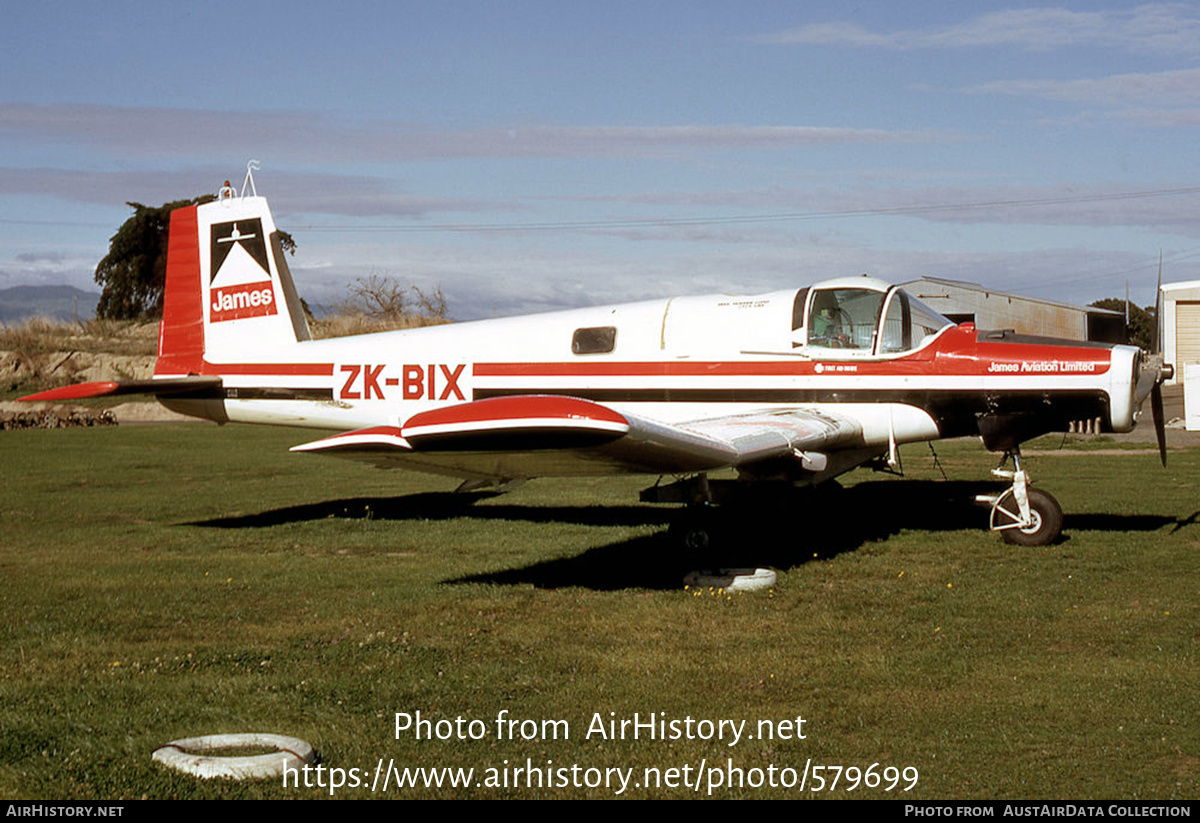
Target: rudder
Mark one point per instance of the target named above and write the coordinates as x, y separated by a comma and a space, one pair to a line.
181, 332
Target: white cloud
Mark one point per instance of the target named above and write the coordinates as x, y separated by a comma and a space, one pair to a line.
483, 286
1169, 118
1067, 204
1165, 89
305, 192
1156, 28
305, 137
48, 269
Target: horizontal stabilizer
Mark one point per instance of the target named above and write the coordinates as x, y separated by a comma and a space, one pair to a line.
108, 388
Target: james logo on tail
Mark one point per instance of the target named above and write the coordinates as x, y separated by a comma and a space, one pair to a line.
238, 264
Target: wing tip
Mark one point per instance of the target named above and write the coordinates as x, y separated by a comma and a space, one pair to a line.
358, 440
75, 391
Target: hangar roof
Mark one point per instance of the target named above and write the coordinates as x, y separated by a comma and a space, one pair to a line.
912, 285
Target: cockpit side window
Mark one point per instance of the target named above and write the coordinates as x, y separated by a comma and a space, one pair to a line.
897, 325
844, 318
798, 318
907, 323
798, 309
926, 322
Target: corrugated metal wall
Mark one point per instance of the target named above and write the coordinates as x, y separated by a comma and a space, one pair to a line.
1187, 335
1181, 325
1005, 311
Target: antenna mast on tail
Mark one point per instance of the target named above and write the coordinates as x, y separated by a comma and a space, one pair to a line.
248, 183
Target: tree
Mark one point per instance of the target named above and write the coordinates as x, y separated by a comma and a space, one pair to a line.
134, 271
1141, 321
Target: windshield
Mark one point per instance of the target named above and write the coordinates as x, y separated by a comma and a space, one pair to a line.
844, 318
869, 321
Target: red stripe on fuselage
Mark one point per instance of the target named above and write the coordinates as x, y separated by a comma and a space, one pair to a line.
1047, 360
270, 369
955, 354
958, 367
633, 369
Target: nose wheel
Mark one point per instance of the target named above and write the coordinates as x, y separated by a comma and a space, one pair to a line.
1041, 529
1024, 516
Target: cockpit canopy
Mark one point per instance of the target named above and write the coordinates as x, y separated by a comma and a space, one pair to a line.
857, 317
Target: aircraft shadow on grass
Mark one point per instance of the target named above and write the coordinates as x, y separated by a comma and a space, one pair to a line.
777, 532
441, 506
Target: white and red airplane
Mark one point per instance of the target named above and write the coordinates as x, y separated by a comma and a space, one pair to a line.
793, 387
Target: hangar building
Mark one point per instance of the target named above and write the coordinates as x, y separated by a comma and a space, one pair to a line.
990, 309
1181, 325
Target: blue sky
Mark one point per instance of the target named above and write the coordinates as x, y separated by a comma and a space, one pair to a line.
528, 155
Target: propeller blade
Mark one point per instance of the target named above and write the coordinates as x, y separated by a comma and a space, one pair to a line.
1156, 335
1160, 428
1147, 380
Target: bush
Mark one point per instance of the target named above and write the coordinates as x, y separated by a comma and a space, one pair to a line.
378, 303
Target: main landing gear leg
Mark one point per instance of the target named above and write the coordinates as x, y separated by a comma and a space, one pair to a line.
1023, 515
702, 530
695, 528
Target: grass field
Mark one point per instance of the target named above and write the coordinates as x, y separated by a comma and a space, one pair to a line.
169, 581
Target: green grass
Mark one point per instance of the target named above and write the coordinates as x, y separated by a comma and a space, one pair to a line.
170, 581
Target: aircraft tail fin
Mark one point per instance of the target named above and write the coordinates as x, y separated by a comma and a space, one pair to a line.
229, 294
229, 298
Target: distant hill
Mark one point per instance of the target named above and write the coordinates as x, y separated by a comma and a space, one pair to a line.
57, 302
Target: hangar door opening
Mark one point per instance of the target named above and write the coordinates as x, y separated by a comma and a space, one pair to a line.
1187, 335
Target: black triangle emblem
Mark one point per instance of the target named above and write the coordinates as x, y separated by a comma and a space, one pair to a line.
246, 233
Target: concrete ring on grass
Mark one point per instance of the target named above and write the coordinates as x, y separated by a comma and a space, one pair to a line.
732, 580
192, 755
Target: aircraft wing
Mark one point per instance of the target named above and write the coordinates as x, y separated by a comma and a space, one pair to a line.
505, 438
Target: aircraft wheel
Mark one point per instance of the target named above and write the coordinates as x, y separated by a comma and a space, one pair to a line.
695, 530
1047, 520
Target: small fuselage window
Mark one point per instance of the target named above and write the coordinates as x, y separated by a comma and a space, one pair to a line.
594, 340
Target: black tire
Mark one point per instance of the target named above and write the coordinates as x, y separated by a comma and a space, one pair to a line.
696, 530
1047, 521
